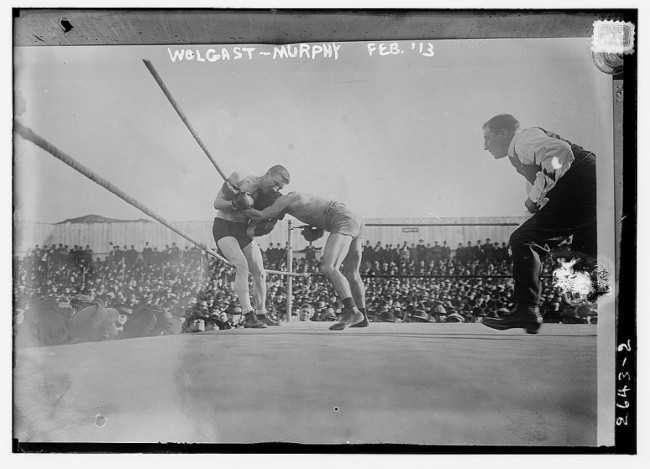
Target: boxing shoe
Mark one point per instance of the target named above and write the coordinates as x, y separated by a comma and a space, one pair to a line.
363, 323
251, 321
349, 317
525, 317
266, 319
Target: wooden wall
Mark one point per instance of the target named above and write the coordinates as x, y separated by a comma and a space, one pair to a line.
388, 231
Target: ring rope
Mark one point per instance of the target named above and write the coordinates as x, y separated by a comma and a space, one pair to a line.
181, 114
317, 274
30, 135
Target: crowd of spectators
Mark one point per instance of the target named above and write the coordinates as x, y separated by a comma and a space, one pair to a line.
63, 295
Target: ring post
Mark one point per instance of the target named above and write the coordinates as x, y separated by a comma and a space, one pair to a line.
289, 270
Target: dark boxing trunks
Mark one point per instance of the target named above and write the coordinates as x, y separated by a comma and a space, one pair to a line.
225, 228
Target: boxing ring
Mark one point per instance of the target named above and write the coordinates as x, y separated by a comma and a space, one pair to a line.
389, 383
401, 383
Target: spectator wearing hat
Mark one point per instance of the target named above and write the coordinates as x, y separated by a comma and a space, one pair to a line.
420, 250
386, 315
81, 301
93, 324
445, 252
123, 314
272, 311
197, 324
212, 322
217, 321
234, 313
147, 255
478, 309
165, 322
439, 312
474, 252
306, 312
142, 323
479, 255
461, 254
320, 308
224, 323
328, 315
310, 252
404, 254
436, 251
173, 326
235, 320
398, 311
420, 315
44, 323
488, 251
131, 256
454, 317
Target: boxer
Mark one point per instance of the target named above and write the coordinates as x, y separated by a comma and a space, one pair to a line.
234, 236
343, 247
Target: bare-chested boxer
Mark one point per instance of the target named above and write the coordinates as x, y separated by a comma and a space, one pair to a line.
343, 247
234, 236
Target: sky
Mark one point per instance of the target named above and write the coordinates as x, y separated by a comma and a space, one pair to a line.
394, 134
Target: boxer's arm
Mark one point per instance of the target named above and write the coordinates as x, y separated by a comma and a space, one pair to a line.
222, 201
274, 211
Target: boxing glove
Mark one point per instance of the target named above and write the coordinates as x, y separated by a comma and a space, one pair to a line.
266, 199
312, 233
229, 191
242, 201
261, 229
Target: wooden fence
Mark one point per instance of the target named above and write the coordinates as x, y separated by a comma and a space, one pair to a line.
388, 231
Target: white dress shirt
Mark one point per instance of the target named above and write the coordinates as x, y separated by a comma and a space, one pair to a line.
554, 156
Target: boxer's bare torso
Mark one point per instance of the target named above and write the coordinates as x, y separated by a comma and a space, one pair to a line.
246, 184
309, 209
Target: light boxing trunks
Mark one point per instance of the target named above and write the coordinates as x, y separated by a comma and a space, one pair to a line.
339, 219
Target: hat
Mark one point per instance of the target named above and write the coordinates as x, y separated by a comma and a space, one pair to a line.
328, 315
93, 324
421, 316
387, 316
123, 309
82, 298
211, 318
455, 317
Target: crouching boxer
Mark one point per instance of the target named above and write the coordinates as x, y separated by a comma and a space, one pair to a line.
234, 236
343, 247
